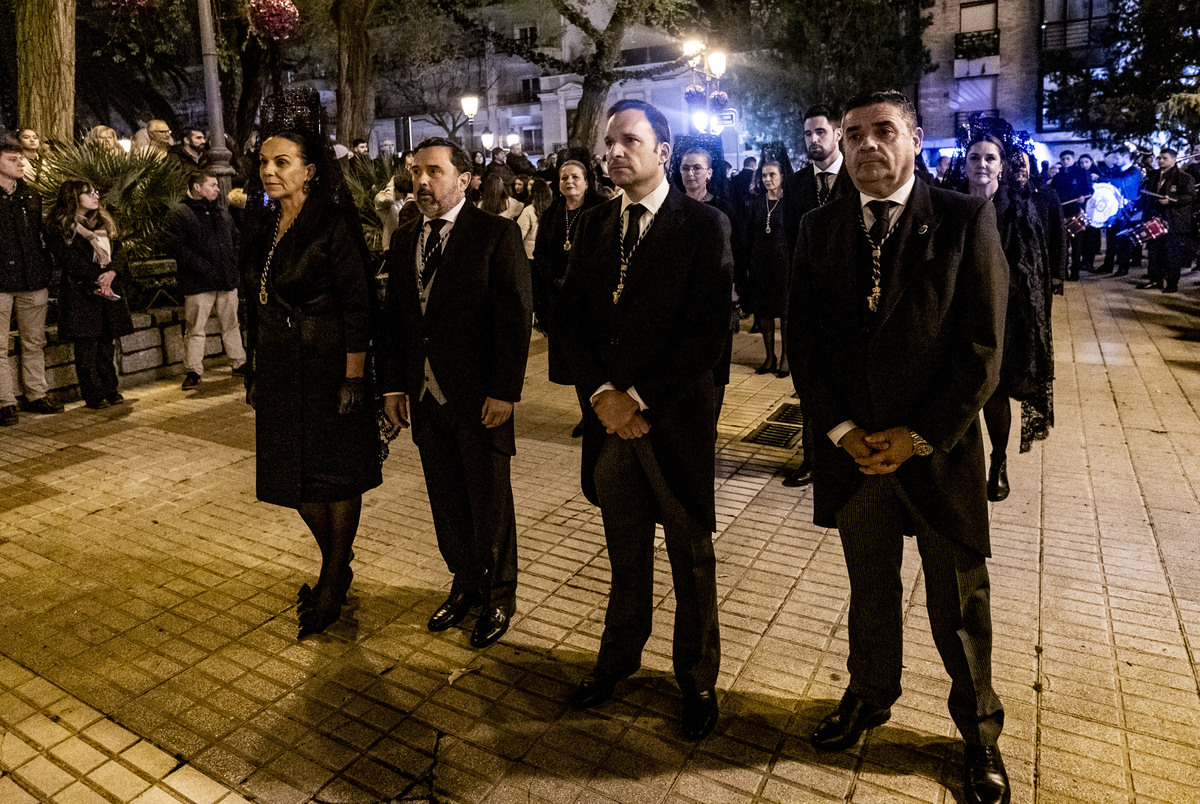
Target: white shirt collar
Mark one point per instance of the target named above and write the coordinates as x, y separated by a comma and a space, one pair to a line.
900, 197
450, 216
653, 201
835, 168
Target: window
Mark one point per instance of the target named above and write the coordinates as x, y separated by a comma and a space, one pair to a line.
977, 17
530, 87
977, 94
531, 140
528, 36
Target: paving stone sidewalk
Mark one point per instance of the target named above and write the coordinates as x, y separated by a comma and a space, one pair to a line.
147, 621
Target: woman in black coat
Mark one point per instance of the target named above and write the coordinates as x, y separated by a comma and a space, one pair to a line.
310, 306
558, 226
768, 235
1031, 230
82, 241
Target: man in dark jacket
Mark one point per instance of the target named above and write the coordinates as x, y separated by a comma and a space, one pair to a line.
739, 185
1127, 178
201, 238
1169, 195
24, 277
518, 162
1073, 185
499, 166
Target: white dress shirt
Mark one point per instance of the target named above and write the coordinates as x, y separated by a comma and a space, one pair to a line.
652, 203
900, 200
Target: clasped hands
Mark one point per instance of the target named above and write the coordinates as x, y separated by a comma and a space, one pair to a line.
620, 414
395, 406
878, 453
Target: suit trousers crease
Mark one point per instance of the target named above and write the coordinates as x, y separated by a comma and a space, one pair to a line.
872, 526
633, 493
470, 496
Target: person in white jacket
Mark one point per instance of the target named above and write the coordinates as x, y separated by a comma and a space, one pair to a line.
540, 198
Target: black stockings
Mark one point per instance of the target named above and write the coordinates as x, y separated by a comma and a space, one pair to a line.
334, 525
997, 415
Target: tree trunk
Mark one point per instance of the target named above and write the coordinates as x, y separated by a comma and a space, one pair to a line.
46, 67
355, 88
585, 128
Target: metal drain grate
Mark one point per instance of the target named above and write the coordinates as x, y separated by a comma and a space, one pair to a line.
788, 413
771, 434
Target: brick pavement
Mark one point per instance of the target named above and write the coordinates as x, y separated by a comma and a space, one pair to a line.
147, 628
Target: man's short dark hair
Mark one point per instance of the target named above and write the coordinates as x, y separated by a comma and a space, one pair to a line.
10, 146
188, 131
458, 157
1168, 152
357, 142
199, 177
749, 162
888, 96
1067, 152
821, 110
1122, 150
658, 120
497, 151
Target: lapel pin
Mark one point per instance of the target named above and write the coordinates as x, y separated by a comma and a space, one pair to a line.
923, 229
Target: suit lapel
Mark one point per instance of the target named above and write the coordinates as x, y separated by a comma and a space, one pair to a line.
604, 258
454, 255
912, 235
403, 265
650, 254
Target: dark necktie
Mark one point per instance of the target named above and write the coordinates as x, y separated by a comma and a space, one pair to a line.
431, 257
879, 229
822, 188
632, 232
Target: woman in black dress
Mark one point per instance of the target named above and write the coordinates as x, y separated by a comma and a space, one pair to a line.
1031, 231
768, 237
82, 241
558, 225
310, 301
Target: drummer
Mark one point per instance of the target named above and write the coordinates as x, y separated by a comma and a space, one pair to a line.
1127, 178
1073, 185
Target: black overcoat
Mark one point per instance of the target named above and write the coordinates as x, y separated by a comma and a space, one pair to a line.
81, 313
477, 322
663, 337
202, 239
318, 310
803, 189
928, 359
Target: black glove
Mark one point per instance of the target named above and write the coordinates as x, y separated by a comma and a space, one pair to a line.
350, 395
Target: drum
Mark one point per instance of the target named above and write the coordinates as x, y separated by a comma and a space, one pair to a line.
1076, 224
1144, 232
1102, 207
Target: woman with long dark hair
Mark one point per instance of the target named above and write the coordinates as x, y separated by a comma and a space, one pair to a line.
557, 229
1031, 230
310, 303
540, 198
494, 198
83, 242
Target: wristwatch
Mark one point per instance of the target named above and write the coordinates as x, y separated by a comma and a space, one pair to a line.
921, 447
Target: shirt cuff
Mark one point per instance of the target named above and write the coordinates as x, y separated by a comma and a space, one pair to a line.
394, 393
608, 386
837, 433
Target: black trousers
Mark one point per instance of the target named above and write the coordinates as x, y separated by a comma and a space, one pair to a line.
1077, 245
957, 598
470, 495
1167, 255
633, 493
95, 368
1118, 250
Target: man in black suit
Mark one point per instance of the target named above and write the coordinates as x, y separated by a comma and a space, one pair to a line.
900, 292
455, 340
647, 298
816, 184
1173, 191
739, 185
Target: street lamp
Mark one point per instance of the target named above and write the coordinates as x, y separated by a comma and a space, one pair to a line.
512, 138
488, 139
703, 94
470, 107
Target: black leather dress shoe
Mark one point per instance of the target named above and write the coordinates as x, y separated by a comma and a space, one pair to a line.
984, 779
597, 687
451, 612
844, 726
490, 626
997, 486
699, 715
802, 476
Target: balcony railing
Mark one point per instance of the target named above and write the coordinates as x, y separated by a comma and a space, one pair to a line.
1073, 34
963, 118
976, 44
654, 54
517, 98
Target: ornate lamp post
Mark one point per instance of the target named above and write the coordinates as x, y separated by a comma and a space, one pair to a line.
706, 99
470, 107
488, 139
218, 153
